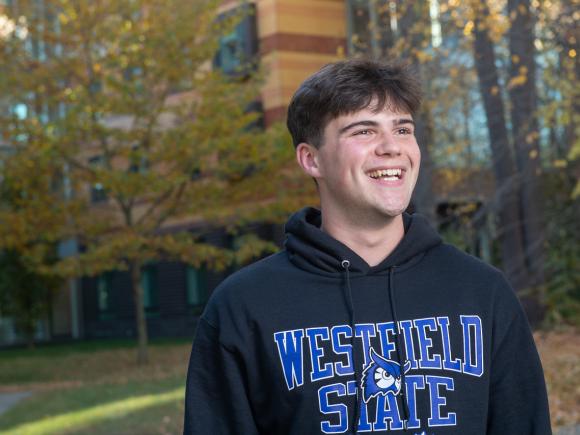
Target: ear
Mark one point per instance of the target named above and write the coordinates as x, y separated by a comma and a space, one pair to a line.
373, 355
307, 157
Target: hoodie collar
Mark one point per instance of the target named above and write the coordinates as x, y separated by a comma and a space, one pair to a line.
312, 249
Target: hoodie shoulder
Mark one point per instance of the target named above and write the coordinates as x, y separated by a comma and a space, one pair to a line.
458, 265
450, 256
244, 288
257, 271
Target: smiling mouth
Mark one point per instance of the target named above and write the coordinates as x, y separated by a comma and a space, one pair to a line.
386, 174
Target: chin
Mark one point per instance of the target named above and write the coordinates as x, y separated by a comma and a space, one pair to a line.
395, 210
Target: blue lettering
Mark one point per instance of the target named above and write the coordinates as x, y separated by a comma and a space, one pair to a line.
316, 353
448, 363
339, 348
365, 331
425, 343
386, 345
363, 421
387, 409
339, 408
413, 382
407, 328
290, 351
437, 401
472, 364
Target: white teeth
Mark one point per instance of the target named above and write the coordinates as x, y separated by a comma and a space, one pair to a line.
388, 174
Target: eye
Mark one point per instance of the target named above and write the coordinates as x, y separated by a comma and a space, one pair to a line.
404, 131
365, 132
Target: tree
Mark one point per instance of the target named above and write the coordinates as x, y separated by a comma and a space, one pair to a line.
504, 167
150, 138
29, 227
24, 294
526, 133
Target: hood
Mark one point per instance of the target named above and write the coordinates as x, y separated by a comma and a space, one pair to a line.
311, 249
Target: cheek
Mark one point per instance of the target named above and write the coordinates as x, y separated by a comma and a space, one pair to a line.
416, 155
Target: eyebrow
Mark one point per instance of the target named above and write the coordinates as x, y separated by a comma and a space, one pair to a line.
370, 123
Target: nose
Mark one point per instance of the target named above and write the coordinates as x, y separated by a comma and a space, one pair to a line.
388, 146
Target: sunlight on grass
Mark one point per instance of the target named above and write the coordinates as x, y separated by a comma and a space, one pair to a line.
83, 418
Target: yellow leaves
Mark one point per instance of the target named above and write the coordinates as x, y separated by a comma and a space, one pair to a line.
520, 79
134, 48
576, 192
572, 53
515, 59
468, 29
423, 56
494, 90
560, 163
532, 136
533, 154
63, 18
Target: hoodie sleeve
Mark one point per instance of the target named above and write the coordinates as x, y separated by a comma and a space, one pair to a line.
518, 402
216, 401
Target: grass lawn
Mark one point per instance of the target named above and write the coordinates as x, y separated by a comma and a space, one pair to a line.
96, 387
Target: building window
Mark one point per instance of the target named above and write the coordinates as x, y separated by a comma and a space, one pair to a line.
149, 284
104, 295
98, 193
238, 49
196, 281
20, 110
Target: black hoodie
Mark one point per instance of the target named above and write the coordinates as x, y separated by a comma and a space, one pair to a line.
440, 344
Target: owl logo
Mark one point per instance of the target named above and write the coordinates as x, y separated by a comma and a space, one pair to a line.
382, 376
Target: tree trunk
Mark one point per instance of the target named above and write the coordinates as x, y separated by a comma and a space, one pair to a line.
506, 176
525, 133
414, 21
141, 321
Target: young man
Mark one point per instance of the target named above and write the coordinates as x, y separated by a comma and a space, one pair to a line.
366, 322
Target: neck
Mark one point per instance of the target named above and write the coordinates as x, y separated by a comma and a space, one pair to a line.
373, 243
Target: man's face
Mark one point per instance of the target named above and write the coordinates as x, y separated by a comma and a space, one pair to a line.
367, 165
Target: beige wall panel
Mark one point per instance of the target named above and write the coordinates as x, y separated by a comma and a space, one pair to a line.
287, 71
312, 18
267, 17
309, 17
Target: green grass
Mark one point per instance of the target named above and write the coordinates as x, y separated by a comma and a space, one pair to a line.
91, 407
96, 388
89, 361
